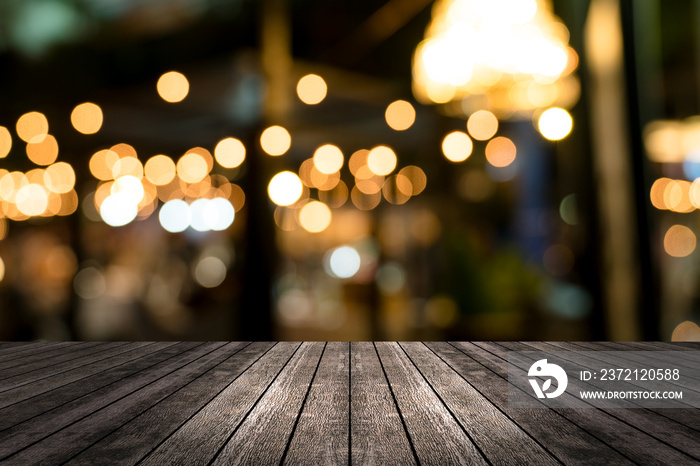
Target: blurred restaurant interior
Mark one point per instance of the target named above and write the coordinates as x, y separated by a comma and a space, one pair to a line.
349, 170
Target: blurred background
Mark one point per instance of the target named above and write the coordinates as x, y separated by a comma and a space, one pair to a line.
374, 169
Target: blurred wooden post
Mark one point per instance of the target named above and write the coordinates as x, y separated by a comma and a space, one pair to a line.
611, 151
276, 51
257, 305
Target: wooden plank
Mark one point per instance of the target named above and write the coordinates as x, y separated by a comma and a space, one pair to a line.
690, 345
25, 348
666, 428
10, 345
566, 441
136, 439
39, 427
119, 367
54, 379
687, 417
278, 410
500, 440
607, 425
198, 440
32, 348
322, 434
76, 437
54, 354
592, 360
436, 435
678, 359
82, 358
377, 431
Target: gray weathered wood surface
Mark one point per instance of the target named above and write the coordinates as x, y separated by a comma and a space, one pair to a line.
313, 403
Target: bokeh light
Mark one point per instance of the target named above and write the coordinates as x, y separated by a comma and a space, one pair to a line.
335, 197
129, 185
365, 201
397, 189
343, 262
160, 170
558, 260
400, 115
555, 124
500, 152
568, 209
32, 127
686, 331
312, 89
87, 118
315, 217
482, 125
124, 150
192, 167
174, 216
127, 166
5, 142
328, 159
381, 160
367, 181
216, 214
101, 164
229, 152
119, 209
357, 160
416, 176
173, 87
32, 199
198, 215
59, 178
89, 283
285, 188
679, 241
210, 272
44, 151
275, 140
441, 311
457, 146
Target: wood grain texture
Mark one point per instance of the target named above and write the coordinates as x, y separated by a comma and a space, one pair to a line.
265, 433
11, 354
79, 435
43, 382
54, 356
593, 361
81, 359
563, 439
81, 403
436, 435
637, 445
667, 425
321, 435
201, 437
136, 439
36, 362
498, 437
114, 369
377, 432
668, 358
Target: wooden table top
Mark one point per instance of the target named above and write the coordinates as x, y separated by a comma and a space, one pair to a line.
310, 403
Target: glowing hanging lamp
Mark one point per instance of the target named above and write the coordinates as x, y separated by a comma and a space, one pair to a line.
510, 57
